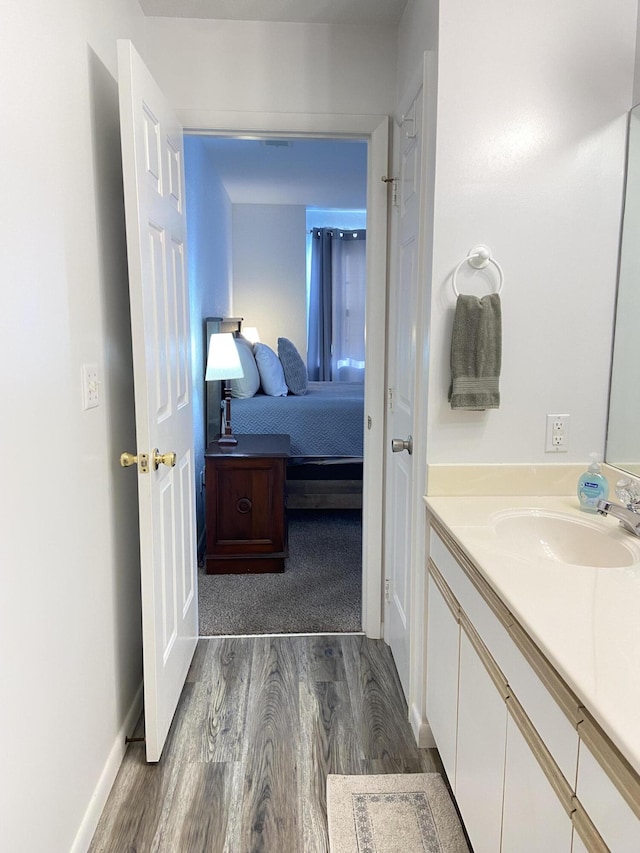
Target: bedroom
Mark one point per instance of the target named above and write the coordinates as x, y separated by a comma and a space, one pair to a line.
251, 207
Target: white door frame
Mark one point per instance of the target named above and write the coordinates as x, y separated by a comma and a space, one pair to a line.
375, 130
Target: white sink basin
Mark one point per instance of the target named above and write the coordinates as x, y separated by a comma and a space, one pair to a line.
564, 538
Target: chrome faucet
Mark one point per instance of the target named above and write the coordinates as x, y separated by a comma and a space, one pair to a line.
628, 512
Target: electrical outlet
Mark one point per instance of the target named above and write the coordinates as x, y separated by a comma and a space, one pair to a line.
557, 436
90, 386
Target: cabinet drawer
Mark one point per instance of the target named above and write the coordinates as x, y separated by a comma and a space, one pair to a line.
612, 817
549, 720
486, 623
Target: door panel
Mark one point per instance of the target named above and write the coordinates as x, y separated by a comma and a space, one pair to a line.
152, 157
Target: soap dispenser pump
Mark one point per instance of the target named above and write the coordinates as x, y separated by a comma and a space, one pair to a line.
592, 486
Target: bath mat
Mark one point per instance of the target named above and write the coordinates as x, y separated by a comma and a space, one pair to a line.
394, 813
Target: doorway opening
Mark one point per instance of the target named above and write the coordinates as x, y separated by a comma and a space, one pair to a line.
252, 206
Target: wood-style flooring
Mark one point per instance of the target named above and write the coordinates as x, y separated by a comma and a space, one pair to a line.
261, 722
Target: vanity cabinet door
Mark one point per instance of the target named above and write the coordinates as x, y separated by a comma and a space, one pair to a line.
482, 735
533, 817
443, 643
609, 811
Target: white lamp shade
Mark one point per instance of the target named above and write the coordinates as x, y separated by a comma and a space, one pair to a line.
223, 361
251, 334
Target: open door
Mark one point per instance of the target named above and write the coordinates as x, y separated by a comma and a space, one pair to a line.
152, 156
400, 461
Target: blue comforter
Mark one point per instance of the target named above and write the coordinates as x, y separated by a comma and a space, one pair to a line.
327, 421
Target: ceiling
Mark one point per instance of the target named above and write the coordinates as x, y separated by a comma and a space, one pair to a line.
309, 172
364, 12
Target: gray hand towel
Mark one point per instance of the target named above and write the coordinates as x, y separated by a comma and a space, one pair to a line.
476, 353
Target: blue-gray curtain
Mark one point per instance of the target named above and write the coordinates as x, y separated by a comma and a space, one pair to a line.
335, 349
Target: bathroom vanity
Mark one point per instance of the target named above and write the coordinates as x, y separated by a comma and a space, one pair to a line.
533, 672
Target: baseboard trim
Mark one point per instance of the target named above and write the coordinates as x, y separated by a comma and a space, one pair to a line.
421, 729
99, 797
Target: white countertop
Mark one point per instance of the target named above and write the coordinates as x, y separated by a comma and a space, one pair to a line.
585, 620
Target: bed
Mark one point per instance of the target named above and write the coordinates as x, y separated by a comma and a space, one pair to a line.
326, 426
325, 423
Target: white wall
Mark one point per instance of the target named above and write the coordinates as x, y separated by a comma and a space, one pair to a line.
209, 226
269, 271
210, 279
636, 81
531, 121
70, 602
417, 32
245, 66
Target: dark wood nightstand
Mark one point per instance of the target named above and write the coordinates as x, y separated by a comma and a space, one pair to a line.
245, 505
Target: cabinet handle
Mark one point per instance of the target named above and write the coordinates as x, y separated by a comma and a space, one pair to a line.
244, 505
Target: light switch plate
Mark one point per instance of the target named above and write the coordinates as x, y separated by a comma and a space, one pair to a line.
90, 386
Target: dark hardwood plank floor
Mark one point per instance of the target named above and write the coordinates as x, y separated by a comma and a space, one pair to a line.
260, 724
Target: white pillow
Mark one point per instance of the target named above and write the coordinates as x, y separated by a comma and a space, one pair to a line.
248, 385
270, 370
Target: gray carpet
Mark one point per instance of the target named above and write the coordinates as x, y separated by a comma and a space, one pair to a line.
319, 591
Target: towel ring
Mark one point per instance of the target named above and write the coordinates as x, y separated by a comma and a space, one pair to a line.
478, 258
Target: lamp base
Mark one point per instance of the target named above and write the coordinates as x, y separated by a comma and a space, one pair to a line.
227, 440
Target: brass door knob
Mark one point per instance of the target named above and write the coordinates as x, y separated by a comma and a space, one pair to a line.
141, 460
168, 459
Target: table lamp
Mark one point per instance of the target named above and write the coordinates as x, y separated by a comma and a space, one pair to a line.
223, 363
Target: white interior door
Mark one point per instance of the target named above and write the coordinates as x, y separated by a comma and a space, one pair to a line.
401, 382
152, 155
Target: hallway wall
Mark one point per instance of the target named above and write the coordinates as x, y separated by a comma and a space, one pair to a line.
70, 602
261, 67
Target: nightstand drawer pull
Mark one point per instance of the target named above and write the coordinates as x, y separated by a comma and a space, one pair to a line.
244, 505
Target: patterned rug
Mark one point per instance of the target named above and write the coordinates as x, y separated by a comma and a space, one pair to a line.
396, 813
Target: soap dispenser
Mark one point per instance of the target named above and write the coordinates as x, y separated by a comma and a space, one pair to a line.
592, 486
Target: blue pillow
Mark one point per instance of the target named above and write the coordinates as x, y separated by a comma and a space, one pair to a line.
270, 370
250, 382
295, 370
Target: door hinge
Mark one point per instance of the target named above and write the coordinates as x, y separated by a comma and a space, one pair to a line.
394, 188
387, 589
